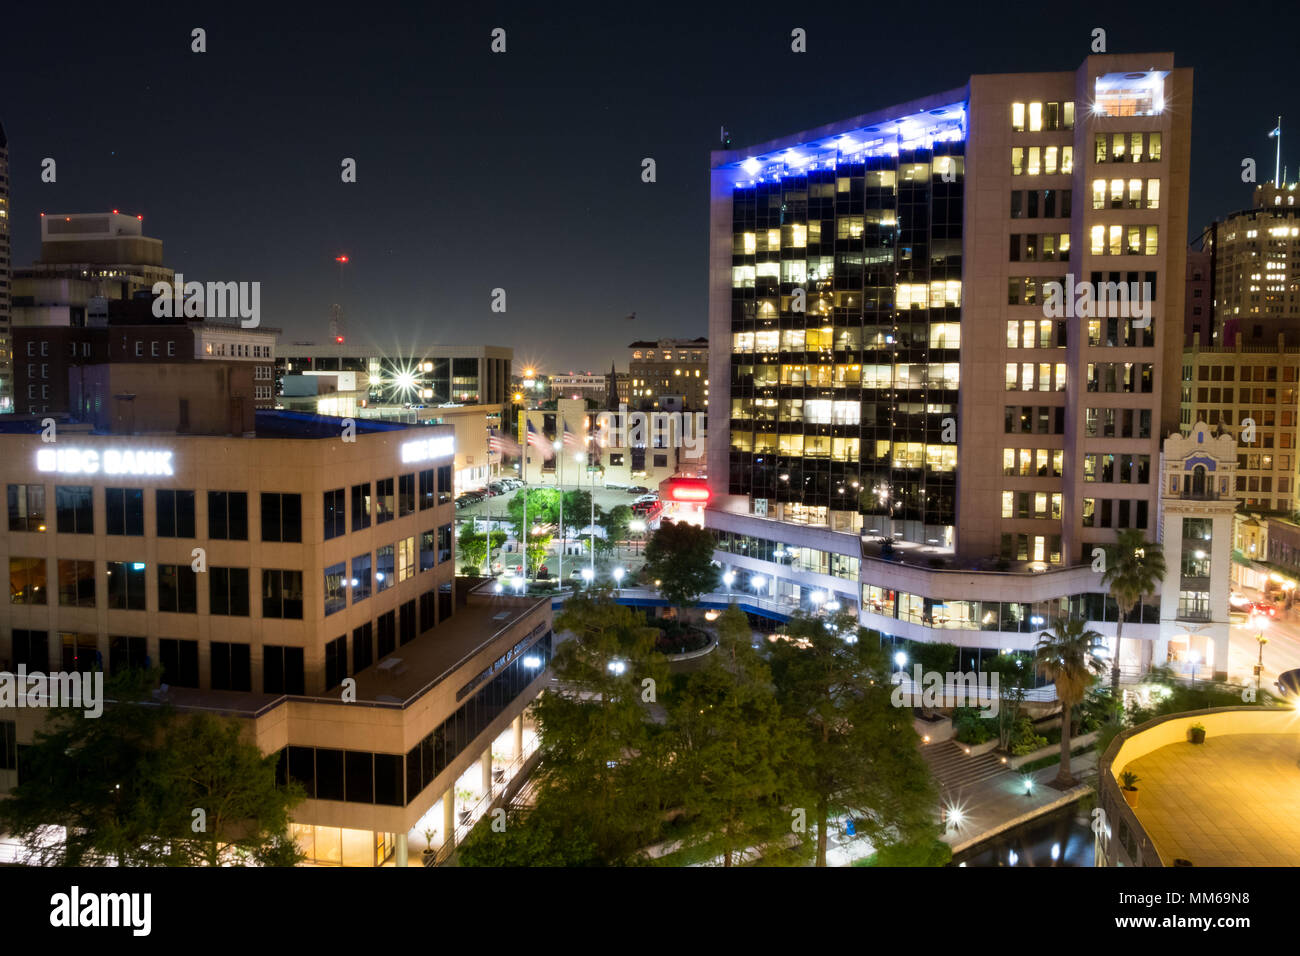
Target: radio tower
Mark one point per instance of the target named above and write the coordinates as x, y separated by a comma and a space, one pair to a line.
337, 331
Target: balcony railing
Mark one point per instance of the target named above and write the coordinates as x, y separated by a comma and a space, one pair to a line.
507, 773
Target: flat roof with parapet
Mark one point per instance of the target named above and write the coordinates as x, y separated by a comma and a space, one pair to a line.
425, 662
269, 423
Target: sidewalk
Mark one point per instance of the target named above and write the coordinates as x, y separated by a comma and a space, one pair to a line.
999, 803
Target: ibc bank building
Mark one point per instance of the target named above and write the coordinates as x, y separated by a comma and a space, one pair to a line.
271, 576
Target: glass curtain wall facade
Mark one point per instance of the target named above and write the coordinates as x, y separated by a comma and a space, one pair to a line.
846, 331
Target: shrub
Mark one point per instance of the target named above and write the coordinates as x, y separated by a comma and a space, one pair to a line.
1024, 739
971, 728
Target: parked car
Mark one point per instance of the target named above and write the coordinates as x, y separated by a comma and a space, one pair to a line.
651, 496
1288, 683
645, 508
1261, 608
638, 490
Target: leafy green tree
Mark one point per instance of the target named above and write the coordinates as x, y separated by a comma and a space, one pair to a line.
1068, 655
680, 557
833, 677
577, 508
601, 756
496, 539
543, 508
615, 522
1134, 568
538, 545
125, 785
472, 546
540, 836
736, 758
1015, 677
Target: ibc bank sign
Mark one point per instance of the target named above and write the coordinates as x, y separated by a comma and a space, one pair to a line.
88, 461
427, 449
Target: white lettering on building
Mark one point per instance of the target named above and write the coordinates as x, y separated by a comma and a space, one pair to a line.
87, 461
426, 449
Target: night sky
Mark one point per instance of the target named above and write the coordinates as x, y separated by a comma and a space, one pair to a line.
523, 170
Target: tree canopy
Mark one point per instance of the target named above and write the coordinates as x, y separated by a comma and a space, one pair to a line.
680, 557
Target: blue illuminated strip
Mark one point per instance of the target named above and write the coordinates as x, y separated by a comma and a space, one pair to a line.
917, 131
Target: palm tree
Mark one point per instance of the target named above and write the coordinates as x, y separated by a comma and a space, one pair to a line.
1068, 654
1134, 568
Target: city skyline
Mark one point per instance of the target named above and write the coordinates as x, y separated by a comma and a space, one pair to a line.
513, 138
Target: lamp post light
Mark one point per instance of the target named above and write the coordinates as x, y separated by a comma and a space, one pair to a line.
729, 579
618, 578
900, 659
1195, 658
1259, 666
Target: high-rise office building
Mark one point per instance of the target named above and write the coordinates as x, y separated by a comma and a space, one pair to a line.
930, 350
1255, 265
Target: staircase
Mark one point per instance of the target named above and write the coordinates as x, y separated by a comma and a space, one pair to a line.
953, 769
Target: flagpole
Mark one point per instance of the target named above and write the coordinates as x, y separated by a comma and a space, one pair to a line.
1277, 169
559, 484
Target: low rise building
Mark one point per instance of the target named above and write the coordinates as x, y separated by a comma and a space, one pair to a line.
265, 572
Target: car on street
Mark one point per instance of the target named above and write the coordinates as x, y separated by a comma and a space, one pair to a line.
1263, 609
644, 509
650, 496
1288, 683
638, 490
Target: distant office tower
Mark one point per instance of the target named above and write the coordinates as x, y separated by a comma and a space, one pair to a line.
1255, 262
337, 330
6, 339
669, 373
929, 341
1198, 324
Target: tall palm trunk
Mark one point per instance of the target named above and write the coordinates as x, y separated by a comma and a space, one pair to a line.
1114, 664
1063, 776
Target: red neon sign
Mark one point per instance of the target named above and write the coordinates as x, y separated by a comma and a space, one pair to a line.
689, 490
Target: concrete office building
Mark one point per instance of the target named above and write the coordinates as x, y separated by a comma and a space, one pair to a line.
610, 449
665, 369
909, 417
350, 547
428, 375
580, 385
1255, 269
1198, 324
1249, 391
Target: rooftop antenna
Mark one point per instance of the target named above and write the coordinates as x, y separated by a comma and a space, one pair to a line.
1277, 168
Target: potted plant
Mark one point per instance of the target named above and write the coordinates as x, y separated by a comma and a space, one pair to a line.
465, 797
1128, 783
428, 839
1198, 733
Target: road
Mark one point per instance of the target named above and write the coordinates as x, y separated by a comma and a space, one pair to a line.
1281, 653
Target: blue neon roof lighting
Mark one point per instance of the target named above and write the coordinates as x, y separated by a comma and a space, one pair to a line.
921, 130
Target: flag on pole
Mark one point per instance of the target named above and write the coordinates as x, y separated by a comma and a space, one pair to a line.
538, 441
569, 437
503, 444
1276, 131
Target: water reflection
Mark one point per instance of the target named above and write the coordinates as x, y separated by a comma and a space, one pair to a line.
1060, 838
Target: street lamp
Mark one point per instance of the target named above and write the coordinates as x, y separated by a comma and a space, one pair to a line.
1259, 667
1195, 658
729, 579
900, 659
618, 577
587, 575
